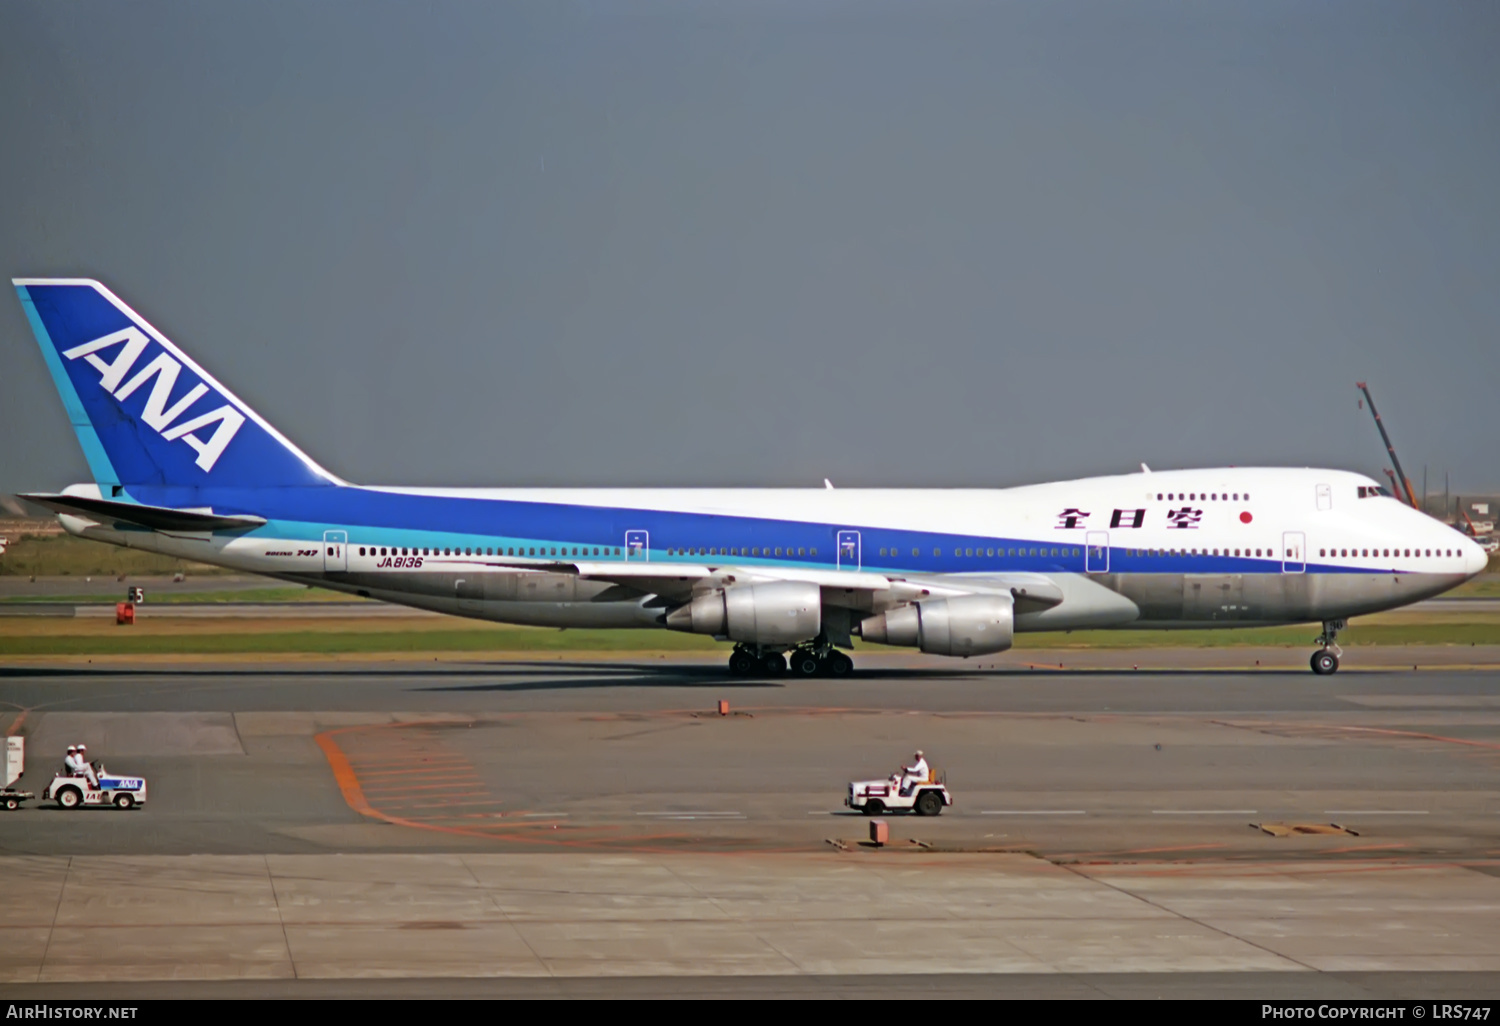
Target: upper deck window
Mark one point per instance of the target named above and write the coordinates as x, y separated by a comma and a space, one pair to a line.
1370, 491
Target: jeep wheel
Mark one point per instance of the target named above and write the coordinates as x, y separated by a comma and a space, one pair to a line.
873, 807
69, 798
124, 801
929, 803
12, 803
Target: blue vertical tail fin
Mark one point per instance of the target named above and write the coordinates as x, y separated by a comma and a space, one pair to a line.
145, 412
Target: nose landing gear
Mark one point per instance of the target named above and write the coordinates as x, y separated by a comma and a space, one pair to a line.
1326, 660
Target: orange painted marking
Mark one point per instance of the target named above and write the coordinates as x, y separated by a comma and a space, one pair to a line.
343, 775
419, 802
378, 762
397, 791
367, 774
354, 796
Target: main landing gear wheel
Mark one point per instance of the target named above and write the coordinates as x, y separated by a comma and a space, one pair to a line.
742, 663
773, 665
1324, 663
805, 663
837, 664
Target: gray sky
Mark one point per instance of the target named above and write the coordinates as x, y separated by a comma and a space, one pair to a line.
767, 242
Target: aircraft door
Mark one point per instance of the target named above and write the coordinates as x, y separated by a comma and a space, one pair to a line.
335, 551
1325, 497
1293, 552
638, 546
1096, 552
847, 551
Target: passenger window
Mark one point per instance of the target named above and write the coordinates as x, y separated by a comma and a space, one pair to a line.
801, 552
814, 553
937, 552
778, 550
916, 553
1158, 496
989, 552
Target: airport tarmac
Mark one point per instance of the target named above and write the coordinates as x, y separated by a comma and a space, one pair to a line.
534, 827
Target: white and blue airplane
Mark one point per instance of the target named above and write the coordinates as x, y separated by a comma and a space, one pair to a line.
181, 466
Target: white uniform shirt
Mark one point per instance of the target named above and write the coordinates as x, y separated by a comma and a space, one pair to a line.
918, 770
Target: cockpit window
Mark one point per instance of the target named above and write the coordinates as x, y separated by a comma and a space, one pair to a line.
1370, 491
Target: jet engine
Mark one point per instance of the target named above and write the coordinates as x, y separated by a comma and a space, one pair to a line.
967, 625
775, 613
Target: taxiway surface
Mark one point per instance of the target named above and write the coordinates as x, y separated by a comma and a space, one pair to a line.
585, 818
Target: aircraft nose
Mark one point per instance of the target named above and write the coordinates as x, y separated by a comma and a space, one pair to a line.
1475, 558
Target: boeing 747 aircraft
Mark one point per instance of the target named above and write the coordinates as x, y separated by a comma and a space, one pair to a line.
183, 467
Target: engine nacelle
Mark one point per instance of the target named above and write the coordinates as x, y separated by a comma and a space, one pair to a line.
967, 625
775, 613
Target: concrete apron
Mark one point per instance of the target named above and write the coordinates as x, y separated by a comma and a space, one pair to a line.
204, 917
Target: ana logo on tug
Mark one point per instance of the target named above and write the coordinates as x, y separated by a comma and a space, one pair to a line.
157, 414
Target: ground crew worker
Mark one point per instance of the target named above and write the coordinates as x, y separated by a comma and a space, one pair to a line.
70, 762
84, 769
916, 773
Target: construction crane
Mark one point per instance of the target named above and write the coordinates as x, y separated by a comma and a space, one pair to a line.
1400, 474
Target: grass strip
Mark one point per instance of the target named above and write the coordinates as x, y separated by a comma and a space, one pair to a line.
156, 597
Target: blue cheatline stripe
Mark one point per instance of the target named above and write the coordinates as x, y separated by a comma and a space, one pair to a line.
555, 530
93, 450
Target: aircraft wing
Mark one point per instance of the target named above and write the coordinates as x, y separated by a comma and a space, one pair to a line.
854, 588
155, 518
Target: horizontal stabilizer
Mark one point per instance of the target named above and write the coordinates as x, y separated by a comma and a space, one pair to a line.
157, 518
